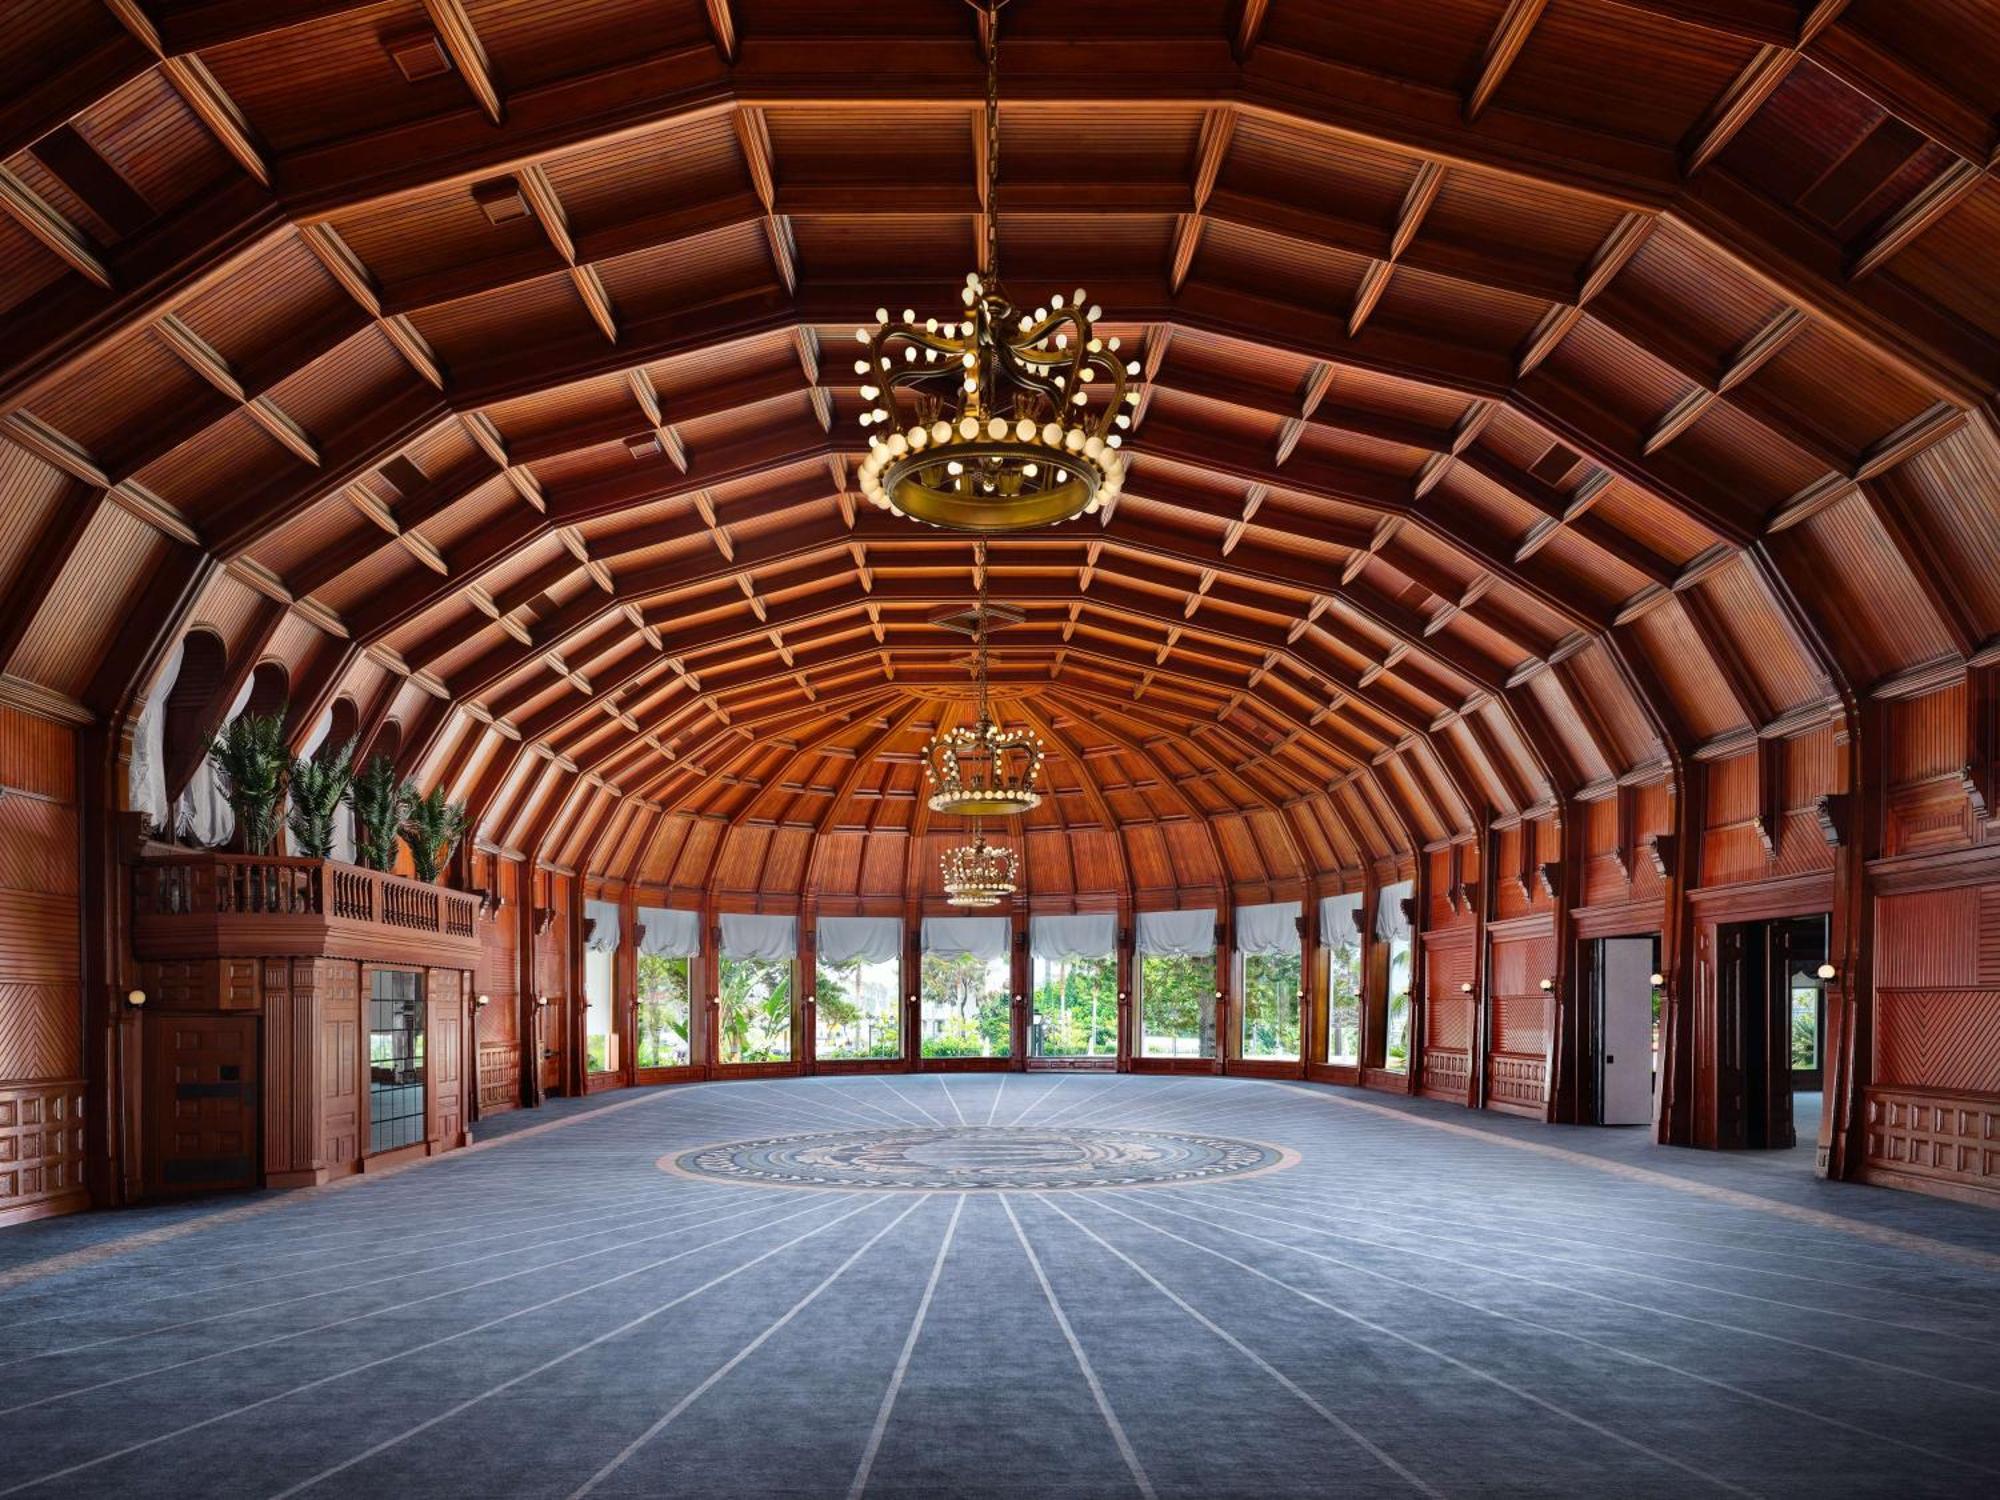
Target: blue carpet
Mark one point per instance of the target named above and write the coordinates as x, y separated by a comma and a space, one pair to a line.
1403, 1309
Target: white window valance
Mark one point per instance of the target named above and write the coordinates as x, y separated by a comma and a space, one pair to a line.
1390, 919
979, 937
1340, 920
748, 936
868, 940
605, 936
1088, 935
1180, 934
1268, 929
668, 933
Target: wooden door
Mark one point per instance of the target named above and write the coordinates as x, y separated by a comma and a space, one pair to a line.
202, 1080
553, 1026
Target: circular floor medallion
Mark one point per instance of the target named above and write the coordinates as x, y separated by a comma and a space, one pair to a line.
981, 1158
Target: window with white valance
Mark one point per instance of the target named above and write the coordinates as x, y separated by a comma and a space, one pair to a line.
667, 933
966, 1000
604, 932
1087, 935
868, 940
1075, 985
1392, 926
857, 988
1340, 920
745, 935
1182, 934
1340, 941
1268, 971
974, 937
668, 941
1391, 921
1268, 930
1177, 983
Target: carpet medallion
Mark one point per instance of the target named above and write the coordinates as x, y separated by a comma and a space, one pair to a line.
981, 1158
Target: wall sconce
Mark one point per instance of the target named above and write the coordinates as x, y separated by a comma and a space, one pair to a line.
1465, 989
1826, 971
1548, 984
1658, 979
135, 998
482, 1001
1122, 995
541, 1002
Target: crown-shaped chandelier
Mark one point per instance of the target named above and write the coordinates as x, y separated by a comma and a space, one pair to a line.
982, 769
979, 873
1002, 420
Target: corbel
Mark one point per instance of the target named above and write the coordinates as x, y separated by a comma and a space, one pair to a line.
1833, 812
1548, 875
1660, 850
545, 917
1626, 849
1770, 820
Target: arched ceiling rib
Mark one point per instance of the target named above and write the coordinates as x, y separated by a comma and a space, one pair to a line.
1500, 392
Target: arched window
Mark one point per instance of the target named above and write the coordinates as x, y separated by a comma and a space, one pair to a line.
270, 689
342, 721
184, 736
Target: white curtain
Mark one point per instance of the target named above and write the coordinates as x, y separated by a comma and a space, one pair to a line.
1090, 935
146, 777
872, 940
604, 937
203, 810
669, 933
1340, 920
1390, 921
979, 937
748, 936
1268, 929
1181, 934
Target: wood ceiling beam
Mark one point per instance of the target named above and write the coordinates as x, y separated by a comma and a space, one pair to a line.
1510, 35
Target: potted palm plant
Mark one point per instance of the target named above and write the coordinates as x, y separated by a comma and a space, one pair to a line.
319, 787
381, 799
251, 757
431, 827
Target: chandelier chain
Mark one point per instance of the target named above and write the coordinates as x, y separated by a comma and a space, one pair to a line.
993, 141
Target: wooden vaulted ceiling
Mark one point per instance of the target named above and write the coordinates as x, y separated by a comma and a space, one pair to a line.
1538, 391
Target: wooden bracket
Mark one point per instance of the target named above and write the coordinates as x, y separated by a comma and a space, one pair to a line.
1549, 875
589, 930
1833, 812
1626, 850
1770, 820
1660, 849
544, 917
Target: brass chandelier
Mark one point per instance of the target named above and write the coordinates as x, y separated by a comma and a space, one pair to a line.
1001, 420
982, 769
979, 874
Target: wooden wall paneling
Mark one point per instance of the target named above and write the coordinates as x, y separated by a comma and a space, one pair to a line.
1523, 957
42, 1024
343, 1048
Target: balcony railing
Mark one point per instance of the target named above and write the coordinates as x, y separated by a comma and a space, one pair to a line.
211, 904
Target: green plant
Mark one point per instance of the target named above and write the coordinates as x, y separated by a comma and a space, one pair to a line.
251, 756
318, 789
380, 802
432, 828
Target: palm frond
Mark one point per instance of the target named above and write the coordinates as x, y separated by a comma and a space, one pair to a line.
431, 827
380, 801
251, 757
319, 787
